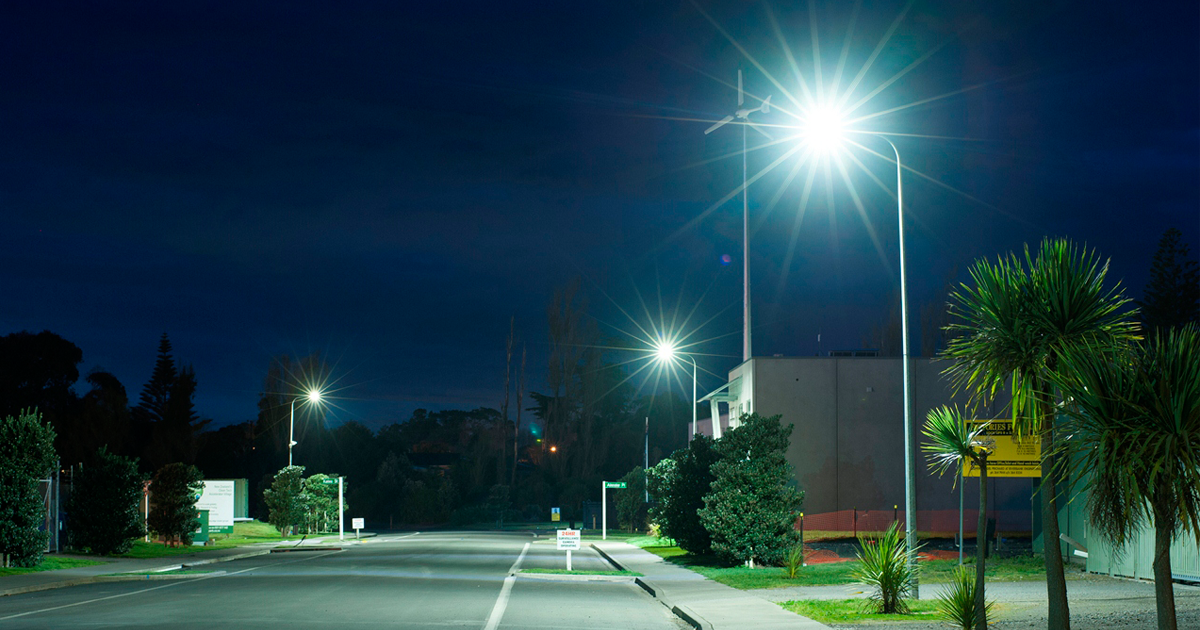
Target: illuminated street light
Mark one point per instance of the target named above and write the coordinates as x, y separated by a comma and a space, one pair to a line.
666, 352
313, 397
824, 129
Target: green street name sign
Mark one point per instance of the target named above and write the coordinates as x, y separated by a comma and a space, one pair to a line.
329, 481
614, 484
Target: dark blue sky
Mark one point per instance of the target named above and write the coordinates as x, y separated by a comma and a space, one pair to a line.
388, 183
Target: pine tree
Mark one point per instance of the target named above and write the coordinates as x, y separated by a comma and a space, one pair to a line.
751, 511
157, 392
1172, 296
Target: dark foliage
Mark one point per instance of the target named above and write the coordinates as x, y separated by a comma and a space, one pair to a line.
104, 505
1172, 296
173, 494
677, 487
26, 455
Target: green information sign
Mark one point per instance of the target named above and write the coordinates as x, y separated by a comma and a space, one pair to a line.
614, 484
329, 482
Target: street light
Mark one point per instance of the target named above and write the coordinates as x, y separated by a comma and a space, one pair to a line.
665, 352
824, 130
314, 397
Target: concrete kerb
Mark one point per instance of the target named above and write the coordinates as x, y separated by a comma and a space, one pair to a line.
683, 612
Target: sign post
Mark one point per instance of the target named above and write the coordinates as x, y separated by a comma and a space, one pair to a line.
357, 524
341, 512
604, 486
1011, 457
568, 539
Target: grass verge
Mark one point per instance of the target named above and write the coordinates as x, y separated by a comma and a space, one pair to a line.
246, 533
852, 611
52, 563
1018, 569
566, 572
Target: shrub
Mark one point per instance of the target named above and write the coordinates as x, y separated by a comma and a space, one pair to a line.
793, 561
678, 485
884, 567
173, 494
752, 507
104, 505
631, 501
26, 455
956, 604
286, 500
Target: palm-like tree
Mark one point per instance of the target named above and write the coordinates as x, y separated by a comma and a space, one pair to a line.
1134, 435
1011, 329
952, 445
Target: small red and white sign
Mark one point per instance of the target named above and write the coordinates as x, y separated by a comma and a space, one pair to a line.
568, 539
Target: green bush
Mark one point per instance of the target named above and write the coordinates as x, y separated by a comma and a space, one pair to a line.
26, 455
956, 604
794, 561
631, 501
173, 494
104, 505
751, 510
286, 500
677, 486
883, 566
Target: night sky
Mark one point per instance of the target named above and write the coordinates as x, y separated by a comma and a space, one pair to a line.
389, 183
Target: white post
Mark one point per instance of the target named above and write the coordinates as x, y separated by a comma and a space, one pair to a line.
145, 497
341, 504
962, 479
603, 511
568, 559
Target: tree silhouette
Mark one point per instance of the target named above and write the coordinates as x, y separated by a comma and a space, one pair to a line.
1172, 296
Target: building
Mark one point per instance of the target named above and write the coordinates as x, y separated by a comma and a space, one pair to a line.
847, 445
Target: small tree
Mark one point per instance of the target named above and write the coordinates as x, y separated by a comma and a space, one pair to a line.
751, 511
173, 494
26, 455
286, 500
678, 486
631, 502
104, 505
321, 506
952, 445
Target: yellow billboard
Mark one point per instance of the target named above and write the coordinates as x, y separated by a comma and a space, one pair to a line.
1010, 457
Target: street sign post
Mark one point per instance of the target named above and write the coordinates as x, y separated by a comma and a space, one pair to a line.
616, 485
357, 524
568, 540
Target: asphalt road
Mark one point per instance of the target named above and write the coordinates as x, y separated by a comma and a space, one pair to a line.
428, 580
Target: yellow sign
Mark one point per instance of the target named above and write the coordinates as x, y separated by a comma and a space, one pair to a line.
554, 515
1010, 457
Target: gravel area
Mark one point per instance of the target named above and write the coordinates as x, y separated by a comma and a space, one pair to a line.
1097, 602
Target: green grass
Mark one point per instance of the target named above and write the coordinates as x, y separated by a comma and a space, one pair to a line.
246, 533
52, 563
1019, 569
566, 572
851, 611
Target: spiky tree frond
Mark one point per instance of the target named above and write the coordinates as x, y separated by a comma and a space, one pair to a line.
950, 443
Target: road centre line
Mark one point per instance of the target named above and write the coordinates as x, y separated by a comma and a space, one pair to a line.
155, 588
493, 621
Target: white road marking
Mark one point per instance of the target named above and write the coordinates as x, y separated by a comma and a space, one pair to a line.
155, 588
493, 621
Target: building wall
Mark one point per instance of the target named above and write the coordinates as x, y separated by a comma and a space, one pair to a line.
847, 445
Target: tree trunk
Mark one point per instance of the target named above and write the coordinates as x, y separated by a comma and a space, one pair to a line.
981, 546
1058, 614
1164, 589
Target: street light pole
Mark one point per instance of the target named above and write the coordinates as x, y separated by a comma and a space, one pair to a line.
910, 496
693, 395
313, 396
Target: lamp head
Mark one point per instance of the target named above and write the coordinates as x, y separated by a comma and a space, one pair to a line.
823, 128
664, 351
314, 396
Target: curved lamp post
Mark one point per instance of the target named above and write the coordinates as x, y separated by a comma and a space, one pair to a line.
824, 129
666, 352
314, 397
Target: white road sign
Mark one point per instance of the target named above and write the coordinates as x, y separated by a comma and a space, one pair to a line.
568, 539
357, 524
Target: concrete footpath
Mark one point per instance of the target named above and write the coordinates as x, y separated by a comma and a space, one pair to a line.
46, 580
702, 603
